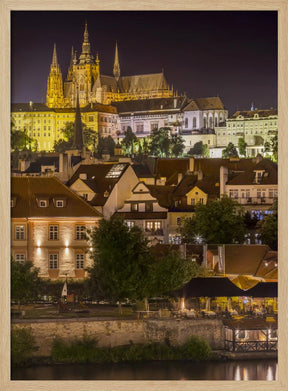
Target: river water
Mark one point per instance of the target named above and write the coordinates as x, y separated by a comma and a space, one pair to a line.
161, 370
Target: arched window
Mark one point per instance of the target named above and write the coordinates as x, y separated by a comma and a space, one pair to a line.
194, 123
210, 122
186, 122
205, 122
216, 121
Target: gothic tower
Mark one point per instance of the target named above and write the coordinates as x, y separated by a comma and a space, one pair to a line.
116, 68
78, 129
55, 96
82, 74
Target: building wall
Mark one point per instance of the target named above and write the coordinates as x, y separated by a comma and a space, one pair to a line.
37, 246
255, 131
204, 119
191, 139
121, 332
46, 126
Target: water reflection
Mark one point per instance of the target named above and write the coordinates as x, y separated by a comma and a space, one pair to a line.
177, 370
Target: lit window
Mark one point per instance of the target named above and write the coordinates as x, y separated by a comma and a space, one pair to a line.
115, 171
134, 207
130, 224
53, 232
80, 261
53, 261
80, 232
20, 258
19, 232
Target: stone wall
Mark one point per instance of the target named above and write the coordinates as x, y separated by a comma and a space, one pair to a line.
121, 332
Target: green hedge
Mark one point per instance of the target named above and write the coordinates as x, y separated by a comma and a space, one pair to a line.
86, 351
22, 346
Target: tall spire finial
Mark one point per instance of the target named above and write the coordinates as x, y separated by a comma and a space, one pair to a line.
78, 128
116, 68
54, 58
86, 56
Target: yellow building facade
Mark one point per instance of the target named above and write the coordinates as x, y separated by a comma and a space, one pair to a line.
45, 125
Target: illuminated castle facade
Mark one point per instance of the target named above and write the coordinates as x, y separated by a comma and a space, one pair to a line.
85, 79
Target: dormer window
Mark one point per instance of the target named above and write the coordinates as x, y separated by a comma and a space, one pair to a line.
60, 202
258, 175
43, 203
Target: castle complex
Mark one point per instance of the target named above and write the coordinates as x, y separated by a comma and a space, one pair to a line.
84, 77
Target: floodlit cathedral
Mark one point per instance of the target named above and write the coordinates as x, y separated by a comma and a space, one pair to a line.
85, 80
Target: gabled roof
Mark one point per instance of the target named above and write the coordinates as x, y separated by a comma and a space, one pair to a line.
139, 83
26, 191
142, 170
212, 103
169, 168
162, 193
190, 181
35, 167
270, 176
244, 259
16, 107
261, 113
92, 171
97, 180
146, 105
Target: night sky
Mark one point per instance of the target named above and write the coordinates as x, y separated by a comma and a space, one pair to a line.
232, 54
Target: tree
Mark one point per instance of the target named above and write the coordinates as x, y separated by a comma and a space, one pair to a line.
172, 272
242, 146
274, 143
125, 267
205, 150
66, 142
229, 151
219, 222
105, 144
269, 228
25, 282
121, 261
129, 141
197, 149
160, 142
177, 145
20, 139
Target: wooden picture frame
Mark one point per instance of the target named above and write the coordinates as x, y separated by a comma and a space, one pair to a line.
12, 5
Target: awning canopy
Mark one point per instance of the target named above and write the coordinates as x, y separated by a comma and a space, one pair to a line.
222, 286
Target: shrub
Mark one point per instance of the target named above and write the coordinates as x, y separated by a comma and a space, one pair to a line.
196, 348
77, 351
22, 346
86, 351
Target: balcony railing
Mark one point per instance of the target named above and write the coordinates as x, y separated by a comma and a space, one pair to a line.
251, 346
254, 200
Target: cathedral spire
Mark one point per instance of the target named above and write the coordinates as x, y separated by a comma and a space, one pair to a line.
55, 97
116, 68
78, 128
86, 56
54, 58
70, 69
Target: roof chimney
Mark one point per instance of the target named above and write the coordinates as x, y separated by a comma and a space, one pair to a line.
191, 164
